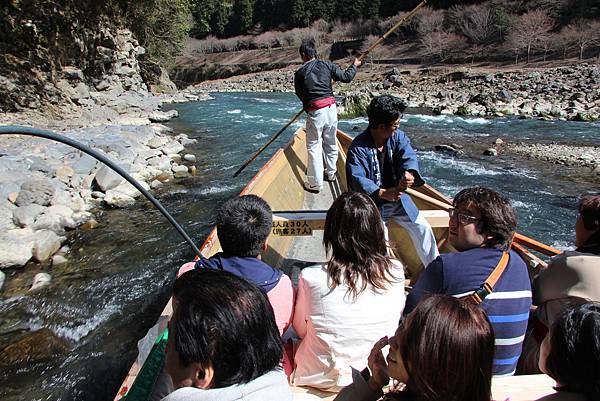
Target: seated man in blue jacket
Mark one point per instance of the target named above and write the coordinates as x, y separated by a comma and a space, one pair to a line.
382, 163
481, 228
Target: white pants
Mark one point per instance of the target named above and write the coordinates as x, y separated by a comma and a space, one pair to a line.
420, 231
321, 128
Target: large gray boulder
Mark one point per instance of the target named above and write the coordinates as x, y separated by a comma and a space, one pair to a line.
25, 216
172, 148
107, 179
15, 247
45, 244
35, 191
118, 199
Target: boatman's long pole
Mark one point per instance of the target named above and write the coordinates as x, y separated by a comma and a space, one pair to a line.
361, 57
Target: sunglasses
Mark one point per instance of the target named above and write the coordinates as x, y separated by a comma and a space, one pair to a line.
463, 218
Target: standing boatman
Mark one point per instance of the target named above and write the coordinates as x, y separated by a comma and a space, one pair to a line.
312, 83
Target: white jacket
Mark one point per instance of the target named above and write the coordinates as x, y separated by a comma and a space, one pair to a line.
338, 333
272, 386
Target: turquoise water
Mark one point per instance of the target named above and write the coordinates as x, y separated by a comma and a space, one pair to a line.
120, 273
232, 126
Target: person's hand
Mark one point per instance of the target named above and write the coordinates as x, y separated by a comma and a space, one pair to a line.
379, 369
406, 182
357, 62
390, 194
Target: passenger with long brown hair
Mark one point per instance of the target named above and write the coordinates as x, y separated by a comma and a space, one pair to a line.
442, 351
344, 305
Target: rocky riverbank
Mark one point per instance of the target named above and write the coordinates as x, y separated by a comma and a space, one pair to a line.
48, 189
568, 92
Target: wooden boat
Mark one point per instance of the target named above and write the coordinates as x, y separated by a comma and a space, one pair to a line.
296, 241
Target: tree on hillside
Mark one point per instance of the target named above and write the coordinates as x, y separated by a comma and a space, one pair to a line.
273, 13
321, 9
582, 33
525, 31
161, 26
241, 17
300, 13
476, 22
371, 10
350, 10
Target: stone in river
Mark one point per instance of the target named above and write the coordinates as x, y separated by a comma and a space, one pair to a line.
180, 171
2, 278
118, 199
40, 280
58, 260
38, 346
46, 243
490, 152
189, 158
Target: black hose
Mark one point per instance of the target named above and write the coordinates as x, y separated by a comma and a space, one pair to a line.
16, 130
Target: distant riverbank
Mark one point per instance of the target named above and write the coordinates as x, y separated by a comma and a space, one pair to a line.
567, 92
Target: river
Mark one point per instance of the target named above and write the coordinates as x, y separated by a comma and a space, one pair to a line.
119, 274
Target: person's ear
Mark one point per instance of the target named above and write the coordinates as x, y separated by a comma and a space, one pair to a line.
203, 377
265, 245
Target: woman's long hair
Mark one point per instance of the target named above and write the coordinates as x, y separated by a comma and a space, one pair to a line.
354, 237
447, 346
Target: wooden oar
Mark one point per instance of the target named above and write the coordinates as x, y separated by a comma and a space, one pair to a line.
363, 55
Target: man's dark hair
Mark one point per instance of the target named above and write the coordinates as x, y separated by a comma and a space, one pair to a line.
308, 48
385, 110
574, 357
498, 217
243, 225
226, 322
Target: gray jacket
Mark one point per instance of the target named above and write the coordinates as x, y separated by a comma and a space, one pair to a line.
272, 386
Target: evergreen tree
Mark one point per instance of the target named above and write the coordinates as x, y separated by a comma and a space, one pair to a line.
220, 18
242, 18
320, 9
301, 15
371, 9
349, 10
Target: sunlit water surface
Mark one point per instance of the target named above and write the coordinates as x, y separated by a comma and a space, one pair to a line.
120, 274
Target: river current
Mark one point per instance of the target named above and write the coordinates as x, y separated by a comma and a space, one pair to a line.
119, 274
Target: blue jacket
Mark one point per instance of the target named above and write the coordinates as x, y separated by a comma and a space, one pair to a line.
250, 268
361, 167
461, 273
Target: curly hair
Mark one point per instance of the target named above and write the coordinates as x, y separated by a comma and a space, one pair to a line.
385, 110
498, 217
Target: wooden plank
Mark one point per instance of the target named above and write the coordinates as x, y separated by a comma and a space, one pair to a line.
315, 220
522, 388
513, 388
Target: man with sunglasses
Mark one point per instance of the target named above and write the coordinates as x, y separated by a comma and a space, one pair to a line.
382, 163
482, 224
